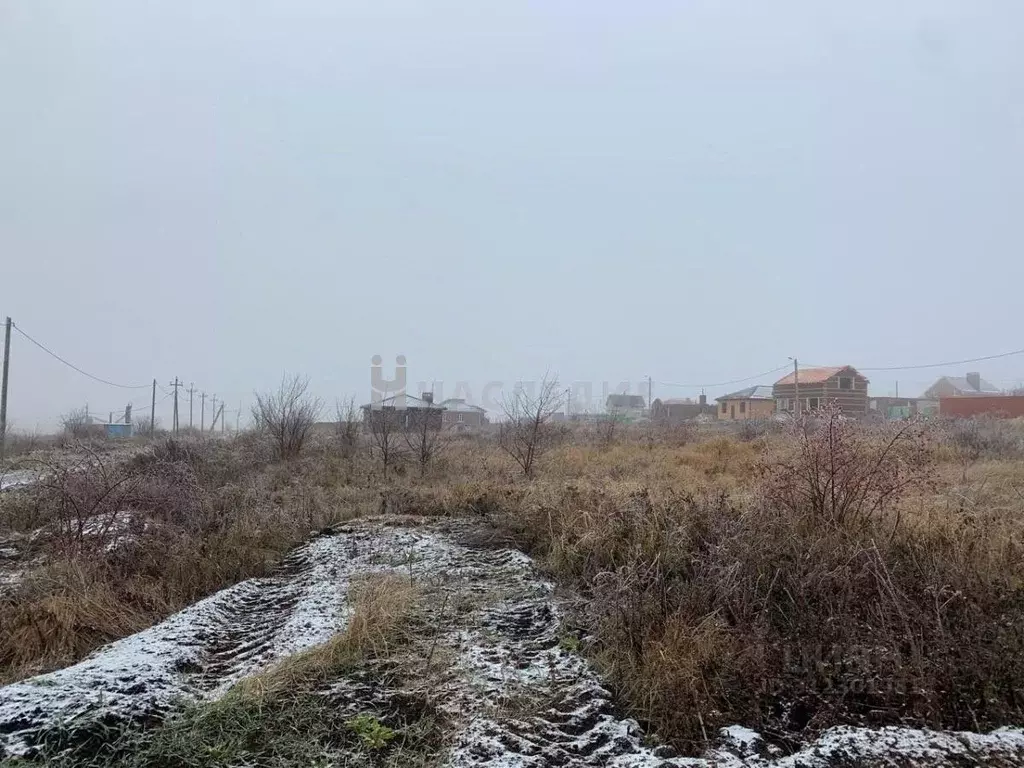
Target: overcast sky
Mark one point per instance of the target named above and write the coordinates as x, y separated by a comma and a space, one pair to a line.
224, 191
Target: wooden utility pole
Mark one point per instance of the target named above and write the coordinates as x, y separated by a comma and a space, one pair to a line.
3, 386
176, 384
152, 412
238, 418
202, 414
213, 412
191, 393
796, 388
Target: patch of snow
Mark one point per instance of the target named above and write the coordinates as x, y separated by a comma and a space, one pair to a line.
201, 651
743, 739
10, 579
17, 477
517, 697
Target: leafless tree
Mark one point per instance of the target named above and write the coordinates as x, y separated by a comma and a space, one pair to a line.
287, 415
427, 438
142, 427
347, 425
386, 443
527, 431
76, 423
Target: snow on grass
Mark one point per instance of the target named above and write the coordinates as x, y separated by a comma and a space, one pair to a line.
201, 651
17, 477
516, 696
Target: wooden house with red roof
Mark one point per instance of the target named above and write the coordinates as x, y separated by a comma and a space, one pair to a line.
841, 385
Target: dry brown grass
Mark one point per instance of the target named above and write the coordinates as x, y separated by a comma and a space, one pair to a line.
710, 601
207, 515
382, 607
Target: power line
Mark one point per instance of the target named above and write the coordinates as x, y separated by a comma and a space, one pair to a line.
723, 383
75, 367
943, 365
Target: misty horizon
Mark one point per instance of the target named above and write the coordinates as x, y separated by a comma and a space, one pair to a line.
690, 192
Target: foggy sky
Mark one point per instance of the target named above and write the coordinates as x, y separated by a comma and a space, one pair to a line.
224, 191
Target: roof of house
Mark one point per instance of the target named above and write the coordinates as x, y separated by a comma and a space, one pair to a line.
757, 392
626, 401
961, 384
680, 401
816, 375
460, 405
411, 401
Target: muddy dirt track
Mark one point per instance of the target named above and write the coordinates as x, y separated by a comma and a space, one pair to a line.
515, 691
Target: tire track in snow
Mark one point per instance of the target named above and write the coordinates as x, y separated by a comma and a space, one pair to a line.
201, 651
514, 696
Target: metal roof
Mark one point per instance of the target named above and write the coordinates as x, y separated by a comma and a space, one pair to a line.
758, 392
963, 385
460, 405
411, 401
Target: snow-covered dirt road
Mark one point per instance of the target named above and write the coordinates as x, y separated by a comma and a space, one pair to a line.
515, 692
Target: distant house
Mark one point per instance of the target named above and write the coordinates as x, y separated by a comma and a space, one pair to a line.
676, 410
751, 403
628, 407
460, 414
404, 412
970, 385
841, 385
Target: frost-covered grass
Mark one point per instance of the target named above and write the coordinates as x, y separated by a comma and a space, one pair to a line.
287, 716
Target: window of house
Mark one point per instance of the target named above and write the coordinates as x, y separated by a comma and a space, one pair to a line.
462, 416
781, 404
846, 382
724, 408
812, 403
743, 406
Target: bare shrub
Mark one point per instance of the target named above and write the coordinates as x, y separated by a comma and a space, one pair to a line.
287, 415
85, 504
754, 429
526, 431
986, 437
76, 423
677, 434
702, 613
347, 425
841, 471
608, 429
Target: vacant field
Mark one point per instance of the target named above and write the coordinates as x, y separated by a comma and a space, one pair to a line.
787, 581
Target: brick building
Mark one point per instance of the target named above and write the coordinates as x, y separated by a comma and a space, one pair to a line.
840, 385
